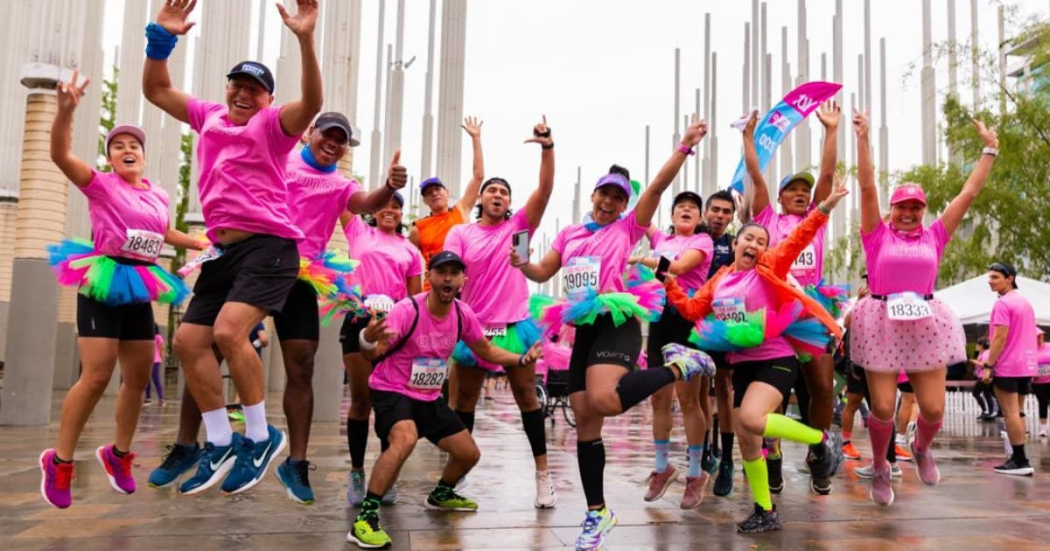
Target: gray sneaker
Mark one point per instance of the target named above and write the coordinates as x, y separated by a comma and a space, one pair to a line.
356, 489
390, 497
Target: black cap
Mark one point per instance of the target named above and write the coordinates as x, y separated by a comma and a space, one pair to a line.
1006, 269
399, 198
256, 70
495, 180
688, 196
444, 258
331, 119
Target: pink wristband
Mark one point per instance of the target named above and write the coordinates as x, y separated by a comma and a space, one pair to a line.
686, 150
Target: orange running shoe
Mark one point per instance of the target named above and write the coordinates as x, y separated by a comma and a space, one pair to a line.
849, 452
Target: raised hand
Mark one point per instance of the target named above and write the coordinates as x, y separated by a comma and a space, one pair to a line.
515, 260
752, 122
397, 175
376, 330
69, 93
829, 114
473, 126
989, 136
173, 16
860, 124
837, 193
305, 19
696, 131
541, 134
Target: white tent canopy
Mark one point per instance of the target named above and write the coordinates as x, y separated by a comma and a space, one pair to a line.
972, 300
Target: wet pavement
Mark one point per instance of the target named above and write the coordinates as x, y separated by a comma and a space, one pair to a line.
972, 508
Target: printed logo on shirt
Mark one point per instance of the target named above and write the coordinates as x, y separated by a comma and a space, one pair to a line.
317, 183
438, 341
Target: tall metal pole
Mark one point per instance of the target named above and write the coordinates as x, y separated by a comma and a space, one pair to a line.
677, 137
428, 116
376, 143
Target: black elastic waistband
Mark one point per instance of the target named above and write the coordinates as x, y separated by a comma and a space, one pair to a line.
132, 261
884, 297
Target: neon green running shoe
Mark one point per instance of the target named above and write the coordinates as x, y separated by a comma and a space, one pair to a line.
235, 415
367, 534
446, 499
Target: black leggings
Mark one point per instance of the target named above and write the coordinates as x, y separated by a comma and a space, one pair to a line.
1042, 394
985, 396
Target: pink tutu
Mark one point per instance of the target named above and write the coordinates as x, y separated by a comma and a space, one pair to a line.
882, 345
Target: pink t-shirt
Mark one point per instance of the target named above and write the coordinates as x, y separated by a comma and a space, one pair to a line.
609, 247
1043, 358
126, 221
158, 348
809, 265
749, 287
982, 358
1018, 358
242, 171
495, 290
672, 246
387, 261
432, 341
899, 263
316, 200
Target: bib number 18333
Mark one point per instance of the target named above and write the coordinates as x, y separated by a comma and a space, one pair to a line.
907, 307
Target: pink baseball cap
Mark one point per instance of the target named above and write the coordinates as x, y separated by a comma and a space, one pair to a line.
908, 192
126, 129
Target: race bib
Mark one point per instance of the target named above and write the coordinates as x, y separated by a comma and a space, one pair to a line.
729, 309
500, 331
207, 255
143, 244
1044, 370
582, 276
806, 261
428, 374
379, 303
907, 307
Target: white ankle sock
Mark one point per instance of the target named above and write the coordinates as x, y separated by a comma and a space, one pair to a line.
217, 426
255, 426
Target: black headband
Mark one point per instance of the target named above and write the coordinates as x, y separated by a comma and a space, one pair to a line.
496, 180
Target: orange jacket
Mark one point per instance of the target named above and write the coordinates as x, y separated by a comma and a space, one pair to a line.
773, 267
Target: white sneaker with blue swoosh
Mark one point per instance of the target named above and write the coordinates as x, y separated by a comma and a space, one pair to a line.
253, 460
214, 463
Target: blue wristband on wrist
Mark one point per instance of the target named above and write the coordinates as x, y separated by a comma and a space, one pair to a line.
159, 42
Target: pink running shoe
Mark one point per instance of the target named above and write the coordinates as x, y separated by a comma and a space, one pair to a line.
694, 491
881, 490
659, 482
118, 469
924, 463
55, 480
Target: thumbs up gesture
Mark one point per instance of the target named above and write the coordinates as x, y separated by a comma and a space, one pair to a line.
397, 175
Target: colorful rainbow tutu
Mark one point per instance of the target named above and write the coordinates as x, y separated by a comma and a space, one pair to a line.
518, 339
644, 300
832, 297
806, 334
324, 272
76, 263
348, 300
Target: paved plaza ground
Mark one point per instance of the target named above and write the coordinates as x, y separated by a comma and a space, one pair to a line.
973, 508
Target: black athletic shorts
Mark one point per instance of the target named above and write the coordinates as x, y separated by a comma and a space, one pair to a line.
905, 387
434, 420
672, 328
350, 332
778, 372
1019, 385
299, 319
857, 381
127, 322
602, 342
259, 270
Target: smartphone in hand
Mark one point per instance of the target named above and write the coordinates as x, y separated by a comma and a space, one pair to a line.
520, 240
662, 267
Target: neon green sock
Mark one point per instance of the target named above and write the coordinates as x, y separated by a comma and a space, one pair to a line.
780, 426
758, 479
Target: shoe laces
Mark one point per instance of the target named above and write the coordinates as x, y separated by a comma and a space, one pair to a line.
174, 455
371, 518
302, 470
591, 521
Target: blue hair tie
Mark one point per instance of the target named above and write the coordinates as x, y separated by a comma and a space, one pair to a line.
159, 42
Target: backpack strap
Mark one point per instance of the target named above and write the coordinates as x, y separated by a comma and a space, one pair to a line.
459, 322
404, 340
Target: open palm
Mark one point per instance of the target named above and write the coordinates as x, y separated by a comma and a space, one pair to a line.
304, 20
173, 16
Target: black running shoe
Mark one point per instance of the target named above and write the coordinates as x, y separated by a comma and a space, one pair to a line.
724, 480
760, 521
824, 467
1015, 468
776, 474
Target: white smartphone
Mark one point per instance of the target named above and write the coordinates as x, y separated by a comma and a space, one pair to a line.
521, 244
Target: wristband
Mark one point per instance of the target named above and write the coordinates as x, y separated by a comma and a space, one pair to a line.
365, 343
548, 146
682, 148
159, 42
988, 150
823, 209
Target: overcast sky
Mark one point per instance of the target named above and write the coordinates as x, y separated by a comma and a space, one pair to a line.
601, 70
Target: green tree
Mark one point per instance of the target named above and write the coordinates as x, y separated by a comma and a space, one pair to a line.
107, 117
181, 207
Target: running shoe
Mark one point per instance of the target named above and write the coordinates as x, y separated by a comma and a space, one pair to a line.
850, 452
253, 460
760, 521
775, 469
1015, 468
367, 533
444, 498
709, 464
724, 480
824, 467
659, 482
118, 469
390, 497
902, 454
179, 459
690, 362
881, 490
926, 466
55, 480
295, 477
694, 491
869, 471
356, 489
1042, 431
546, 497
213, 464
596, 528
235, 415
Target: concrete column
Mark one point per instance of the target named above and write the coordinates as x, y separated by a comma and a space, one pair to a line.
676, 136
837, 59
450, 93
975, 57
8, 213
786, 158
928, 91
884, 131
746, 96
756, 58
26, 396
867, 55
428, 101
712, 137
375, 148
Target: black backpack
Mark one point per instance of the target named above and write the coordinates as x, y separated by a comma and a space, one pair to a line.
415, 321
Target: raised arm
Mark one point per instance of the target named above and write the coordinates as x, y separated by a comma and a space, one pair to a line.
496, 355
470, 195
694, 308
537, 204
161, 37
178, 238
759, 189
829, 115
69, 95
870, 216
296, 116
367, 203
955, 211
541, 272
784, 254
650, 199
